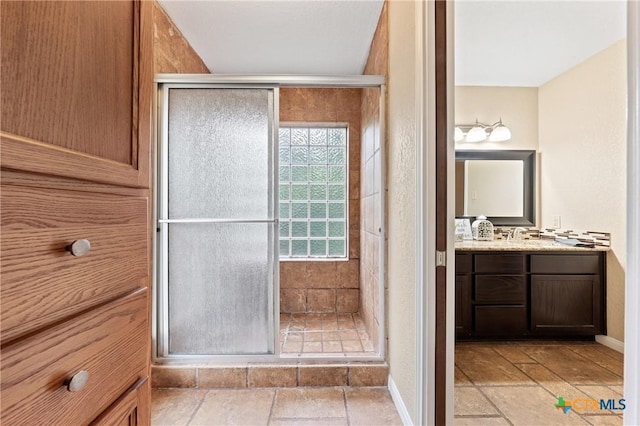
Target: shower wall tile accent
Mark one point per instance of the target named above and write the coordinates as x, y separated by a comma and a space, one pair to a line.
292, 374
174, 377
370, 190
172, 53
323, 375
274, 376
321, 300
348, 300
226, 377
300, 280
319, 287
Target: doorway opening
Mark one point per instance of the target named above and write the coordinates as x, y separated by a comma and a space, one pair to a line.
511, 355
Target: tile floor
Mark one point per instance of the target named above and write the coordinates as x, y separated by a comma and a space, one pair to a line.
518, 383
270, 406
324, 334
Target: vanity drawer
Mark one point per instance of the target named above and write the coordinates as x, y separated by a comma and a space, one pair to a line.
565, 264
500, 289
500, 320
110, 343
500, 263
42, 282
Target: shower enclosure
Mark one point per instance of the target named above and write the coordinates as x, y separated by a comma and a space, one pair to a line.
216, 283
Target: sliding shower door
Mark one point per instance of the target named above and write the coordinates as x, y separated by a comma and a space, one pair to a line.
217, 221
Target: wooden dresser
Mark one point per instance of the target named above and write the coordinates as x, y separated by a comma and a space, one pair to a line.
76, 101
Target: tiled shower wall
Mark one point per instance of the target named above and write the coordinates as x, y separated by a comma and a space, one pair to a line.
370, 211
326, 286
172, 53
371, 169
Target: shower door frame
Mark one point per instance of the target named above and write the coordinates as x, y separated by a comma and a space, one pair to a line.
161, 345
159, 308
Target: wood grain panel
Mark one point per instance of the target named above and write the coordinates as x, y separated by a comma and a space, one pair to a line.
108, 342
500, 263
500, 289
42, 282
565, 264
68, 74
503, 321
463, 263
566, 302
131, 409
87, 116
463, 305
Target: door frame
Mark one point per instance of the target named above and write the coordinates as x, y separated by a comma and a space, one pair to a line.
161, 243
429, 403
632, 292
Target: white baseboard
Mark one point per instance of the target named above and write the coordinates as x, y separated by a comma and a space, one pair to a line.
610, 342
399, 403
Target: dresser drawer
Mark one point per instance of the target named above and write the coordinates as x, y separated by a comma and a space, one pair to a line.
500, 263
42, 282
500, 289
110, 343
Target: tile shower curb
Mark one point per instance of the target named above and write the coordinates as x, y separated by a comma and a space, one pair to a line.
252, 375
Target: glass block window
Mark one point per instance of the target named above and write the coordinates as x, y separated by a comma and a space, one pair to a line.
313, 192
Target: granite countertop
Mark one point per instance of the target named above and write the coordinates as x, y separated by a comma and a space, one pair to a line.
521, 245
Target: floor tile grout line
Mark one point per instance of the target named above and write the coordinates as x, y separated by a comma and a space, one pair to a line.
273, 403
595, 362
462, 372
198, 407
346, 406
573, 348
504, 416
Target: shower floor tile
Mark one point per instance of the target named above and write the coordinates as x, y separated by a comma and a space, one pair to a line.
310, 335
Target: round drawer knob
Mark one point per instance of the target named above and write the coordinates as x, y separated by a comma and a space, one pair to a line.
78, 381
79, 247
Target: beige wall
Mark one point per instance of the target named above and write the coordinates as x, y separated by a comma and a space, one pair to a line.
518, 107
324, 286
401, 201
582, 147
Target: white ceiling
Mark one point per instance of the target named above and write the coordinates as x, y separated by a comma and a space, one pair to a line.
498, 43
527, 43
278, 37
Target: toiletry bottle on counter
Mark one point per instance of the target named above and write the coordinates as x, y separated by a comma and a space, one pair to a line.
482, 229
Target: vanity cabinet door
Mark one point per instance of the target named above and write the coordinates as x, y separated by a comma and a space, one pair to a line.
500, 321
463, 294
566, 305
463, 305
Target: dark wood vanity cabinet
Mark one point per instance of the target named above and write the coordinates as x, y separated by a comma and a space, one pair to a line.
567, 294
463, 291
520, 294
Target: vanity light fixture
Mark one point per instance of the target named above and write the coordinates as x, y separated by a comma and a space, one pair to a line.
478, 132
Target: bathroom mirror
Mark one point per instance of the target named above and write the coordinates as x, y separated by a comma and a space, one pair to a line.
499, 184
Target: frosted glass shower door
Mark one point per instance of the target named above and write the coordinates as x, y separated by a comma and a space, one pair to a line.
218, 221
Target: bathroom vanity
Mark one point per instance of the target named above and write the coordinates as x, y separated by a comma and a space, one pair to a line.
527, 289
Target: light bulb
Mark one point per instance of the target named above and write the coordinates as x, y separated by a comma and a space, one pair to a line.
500, 133
457, 134
476, 134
